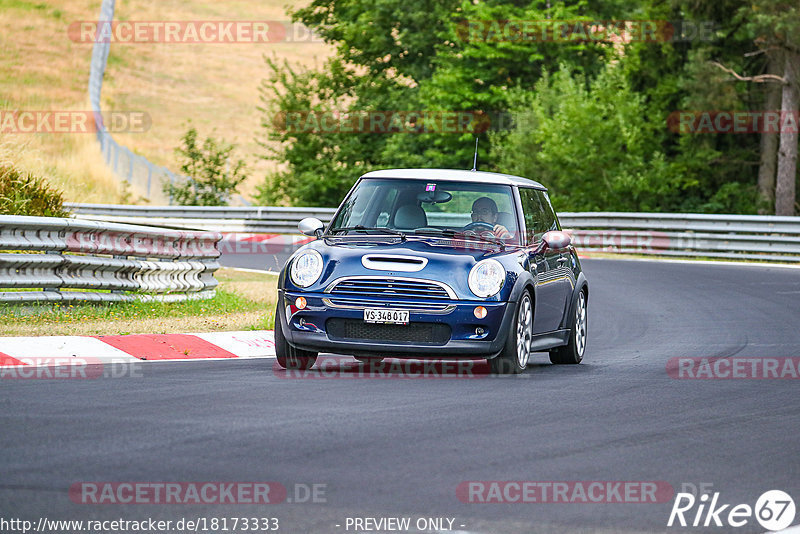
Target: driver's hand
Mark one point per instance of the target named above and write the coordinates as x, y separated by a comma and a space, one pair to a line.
501, 231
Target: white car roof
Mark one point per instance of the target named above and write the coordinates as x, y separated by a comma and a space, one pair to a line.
455, 175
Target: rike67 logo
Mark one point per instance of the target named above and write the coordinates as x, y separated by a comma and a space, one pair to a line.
774, 510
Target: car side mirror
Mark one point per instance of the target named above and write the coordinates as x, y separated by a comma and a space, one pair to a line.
311, 226
555, 240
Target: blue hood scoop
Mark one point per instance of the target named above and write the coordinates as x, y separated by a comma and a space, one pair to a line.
394, 262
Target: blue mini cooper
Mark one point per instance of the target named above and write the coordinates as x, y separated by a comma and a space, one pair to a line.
434, 263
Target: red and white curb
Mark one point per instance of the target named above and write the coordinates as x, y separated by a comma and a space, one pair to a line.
248, 243
64, 350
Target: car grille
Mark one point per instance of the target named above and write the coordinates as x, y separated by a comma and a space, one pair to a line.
396, 288
422, 333
360, 304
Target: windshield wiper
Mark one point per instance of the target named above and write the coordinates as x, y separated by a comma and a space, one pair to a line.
361, 228
436, 232
452, 233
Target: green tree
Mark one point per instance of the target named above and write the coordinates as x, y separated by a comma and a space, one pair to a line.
774, 27
319, 161
479, 59
592, 147
449, 57
389, 37
403, 56
212, 179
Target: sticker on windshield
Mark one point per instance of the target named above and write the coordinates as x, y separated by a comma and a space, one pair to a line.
430, 187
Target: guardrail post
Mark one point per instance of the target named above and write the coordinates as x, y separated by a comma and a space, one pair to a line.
52, 289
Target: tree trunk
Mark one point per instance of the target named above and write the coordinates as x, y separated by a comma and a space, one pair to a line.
787, 153
769, 142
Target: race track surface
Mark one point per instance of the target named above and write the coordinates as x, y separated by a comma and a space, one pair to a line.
400, 448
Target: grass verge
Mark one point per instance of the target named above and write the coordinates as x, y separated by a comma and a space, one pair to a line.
244, 301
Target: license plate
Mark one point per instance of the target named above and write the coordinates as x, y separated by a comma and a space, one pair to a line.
386, 316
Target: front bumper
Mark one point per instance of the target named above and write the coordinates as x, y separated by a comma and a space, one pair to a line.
450, 333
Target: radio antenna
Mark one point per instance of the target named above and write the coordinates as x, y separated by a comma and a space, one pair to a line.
475, 161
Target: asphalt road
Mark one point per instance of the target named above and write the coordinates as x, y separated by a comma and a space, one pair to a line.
401, 448
256, 257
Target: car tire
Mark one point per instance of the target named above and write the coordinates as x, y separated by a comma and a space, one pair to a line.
517, 350
572, 352
288, 356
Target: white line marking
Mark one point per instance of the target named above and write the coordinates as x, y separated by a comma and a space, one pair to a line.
245, 270
246, 344
63, 347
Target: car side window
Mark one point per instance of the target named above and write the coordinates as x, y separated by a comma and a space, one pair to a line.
537, 222
550, 220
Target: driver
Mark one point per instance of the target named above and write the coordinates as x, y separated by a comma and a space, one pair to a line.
484, 210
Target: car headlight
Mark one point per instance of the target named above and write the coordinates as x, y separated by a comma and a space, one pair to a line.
306, 268
486, 278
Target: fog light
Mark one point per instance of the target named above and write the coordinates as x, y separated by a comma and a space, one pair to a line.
480, 312
479, 331
300, 303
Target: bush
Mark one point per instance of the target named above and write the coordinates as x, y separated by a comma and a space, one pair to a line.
592, 147
25, 194
211, 179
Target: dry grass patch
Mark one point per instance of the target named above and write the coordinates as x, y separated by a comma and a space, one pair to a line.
214, 85
42, 70
230, 322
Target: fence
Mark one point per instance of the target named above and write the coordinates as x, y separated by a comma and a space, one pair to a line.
136, 170
112, 262
747, 237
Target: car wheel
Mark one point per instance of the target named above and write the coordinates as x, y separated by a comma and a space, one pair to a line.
517, 351
368, 359
572, 352
289, 357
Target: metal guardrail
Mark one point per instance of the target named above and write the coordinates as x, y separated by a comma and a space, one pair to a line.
748, 237
219, 219
111, 262
745, 237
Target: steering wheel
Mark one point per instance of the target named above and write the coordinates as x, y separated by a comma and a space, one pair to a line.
479, 226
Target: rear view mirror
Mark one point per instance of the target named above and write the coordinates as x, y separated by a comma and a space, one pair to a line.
311, 226
434, 197
555, 240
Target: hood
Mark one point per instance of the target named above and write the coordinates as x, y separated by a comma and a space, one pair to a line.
442, 259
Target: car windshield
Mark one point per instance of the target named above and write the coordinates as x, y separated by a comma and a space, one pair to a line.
429, 208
